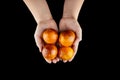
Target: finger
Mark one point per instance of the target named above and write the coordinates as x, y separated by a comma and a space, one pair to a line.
57, 59
64, 61
52, 24
54, 61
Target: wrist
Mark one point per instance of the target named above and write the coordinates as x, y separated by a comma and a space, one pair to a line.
44, 19
70, 16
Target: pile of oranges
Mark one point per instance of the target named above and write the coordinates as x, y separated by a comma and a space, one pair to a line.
65, 40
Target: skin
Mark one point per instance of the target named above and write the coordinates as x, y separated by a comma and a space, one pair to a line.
68, 21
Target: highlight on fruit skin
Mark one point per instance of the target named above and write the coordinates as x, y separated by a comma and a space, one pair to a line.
67, 38
66, 53
50, 36
49, 51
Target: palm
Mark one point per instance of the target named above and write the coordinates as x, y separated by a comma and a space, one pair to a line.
39, 30
72, 24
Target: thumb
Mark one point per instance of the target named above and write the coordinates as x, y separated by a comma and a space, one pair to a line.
39, 43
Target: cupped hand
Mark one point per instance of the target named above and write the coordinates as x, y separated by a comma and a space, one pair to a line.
71, 24
41, 26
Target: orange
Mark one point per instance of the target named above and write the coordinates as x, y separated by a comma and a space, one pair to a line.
49, 52
66, 53
50, 36
67, 38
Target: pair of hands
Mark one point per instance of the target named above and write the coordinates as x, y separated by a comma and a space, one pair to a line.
65, 24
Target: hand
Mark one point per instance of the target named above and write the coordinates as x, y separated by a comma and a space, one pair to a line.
72, 24
39, 30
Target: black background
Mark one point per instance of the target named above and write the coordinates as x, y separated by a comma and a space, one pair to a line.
19, 46
96, 54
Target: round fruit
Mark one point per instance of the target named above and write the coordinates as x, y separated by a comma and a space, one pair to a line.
49, 51
66, 53
67, 38
50, 36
